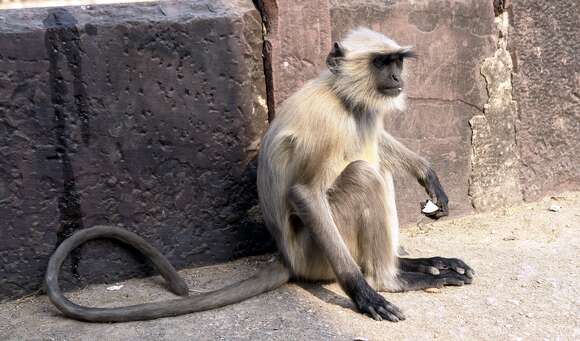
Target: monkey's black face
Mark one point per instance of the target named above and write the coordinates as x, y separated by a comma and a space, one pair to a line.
388, 69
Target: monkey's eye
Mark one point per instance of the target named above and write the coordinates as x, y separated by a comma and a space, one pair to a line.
400, 60
379, 62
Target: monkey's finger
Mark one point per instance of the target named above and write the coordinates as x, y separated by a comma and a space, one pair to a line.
432, 270
393, 309
435, 215
387, 315
453, 281
467, 270
426, 269
453, 278
470, 273
439, 263
374, 314
460, 267
467, 280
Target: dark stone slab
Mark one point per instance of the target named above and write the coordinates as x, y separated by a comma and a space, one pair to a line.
546, 82
146, 116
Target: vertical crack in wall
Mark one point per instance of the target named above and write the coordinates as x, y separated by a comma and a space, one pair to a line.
268, 11
62, 39
494, 180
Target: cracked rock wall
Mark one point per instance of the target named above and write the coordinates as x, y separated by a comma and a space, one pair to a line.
494, 180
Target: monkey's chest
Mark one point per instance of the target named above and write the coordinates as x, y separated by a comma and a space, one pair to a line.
368, 153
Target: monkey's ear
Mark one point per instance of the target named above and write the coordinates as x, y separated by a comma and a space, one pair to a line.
335, 58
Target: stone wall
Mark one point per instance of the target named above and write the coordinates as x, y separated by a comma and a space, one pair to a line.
544, 44
146, 116
493, 96
149, 116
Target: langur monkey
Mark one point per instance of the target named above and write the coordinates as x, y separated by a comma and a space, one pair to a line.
326, 193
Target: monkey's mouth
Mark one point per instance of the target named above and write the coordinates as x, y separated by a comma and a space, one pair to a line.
391, 91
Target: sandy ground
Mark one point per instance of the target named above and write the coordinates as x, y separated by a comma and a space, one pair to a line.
527, 288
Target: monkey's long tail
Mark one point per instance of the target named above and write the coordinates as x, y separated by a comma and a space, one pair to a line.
272, 276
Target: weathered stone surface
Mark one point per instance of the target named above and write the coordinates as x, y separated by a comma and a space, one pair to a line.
146, 116
546, 83
298, 40
445, 86
495, 160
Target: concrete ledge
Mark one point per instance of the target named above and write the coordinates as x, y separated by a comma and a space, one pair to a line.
141, 115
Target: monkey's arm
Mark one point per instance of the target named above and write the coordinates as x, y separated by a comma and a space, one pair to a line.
314, 210
395, 156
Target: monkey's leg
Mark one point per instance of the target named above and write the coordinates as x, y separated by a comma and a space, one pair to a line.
359, 209
314, 210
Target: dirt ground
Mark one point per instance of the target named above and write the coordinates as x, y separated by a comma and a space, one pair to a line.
527, 288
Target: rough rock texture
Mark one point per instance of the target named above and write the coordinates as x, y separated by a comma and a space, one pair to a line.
544, 41
445, 86
495, 162
146, 116
297, 42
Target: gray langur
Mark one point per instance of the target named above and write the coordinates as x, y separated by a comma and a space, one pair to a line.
326, 192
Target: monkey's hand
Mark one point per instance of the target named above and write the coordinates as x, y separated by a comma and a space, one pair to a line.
436, 193
371, 303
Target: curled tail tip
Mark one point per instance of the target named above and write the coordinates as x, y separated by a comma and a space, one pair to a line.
179, 288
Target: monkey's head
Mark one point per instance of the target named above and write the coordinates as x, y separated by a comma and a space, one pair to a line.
368, 69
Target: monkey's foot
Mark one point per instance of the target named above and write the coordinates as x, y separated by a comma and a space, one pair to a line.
409, 281
435, 265
371, 303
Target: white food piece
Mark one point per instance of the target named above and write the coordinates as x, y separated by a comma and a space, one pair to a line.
430, 207
555, 208
115, 287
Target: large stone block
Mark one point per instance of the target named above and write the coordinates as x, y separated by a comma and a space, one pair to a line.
143, 115
445, 86
546, 82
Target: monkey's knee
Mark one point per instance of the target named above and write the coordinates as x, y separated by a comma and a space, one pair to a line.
363, 174
360, 166
358, 183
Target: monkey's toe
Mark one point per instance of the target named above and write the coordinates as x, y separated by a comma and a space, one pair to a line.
453, 278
